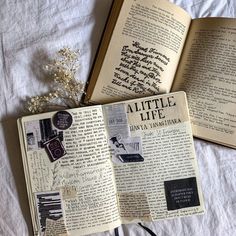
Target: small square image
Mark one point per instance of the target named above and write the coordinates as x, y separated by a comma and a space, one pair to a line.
54, 149
39, 132
181, 193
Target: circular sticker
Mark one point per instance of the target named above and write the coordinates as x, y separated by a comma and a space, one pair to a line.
62, 120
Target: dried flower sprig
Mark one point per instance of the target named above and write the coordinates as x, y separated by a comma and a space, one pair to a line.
67, 90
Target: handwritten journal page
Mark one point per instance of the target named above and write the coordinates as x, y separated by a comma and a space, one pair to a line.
143, 52
80, 186
155, 167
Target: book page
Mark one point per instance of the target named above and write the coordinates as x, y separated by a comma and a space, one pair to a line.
143, 52
69, 173
155, 166
207, 73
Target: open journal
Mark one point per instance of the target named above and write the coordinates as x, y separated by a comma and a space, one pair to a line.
94, 168
153, 46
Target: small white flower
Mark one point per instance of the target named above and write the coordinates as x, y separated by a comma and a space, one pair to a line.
67, 90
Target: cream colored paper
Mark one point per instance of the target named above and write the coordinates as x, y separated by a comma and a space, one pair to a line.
84, 175
168, 152
207, 74
98, 193
143, 52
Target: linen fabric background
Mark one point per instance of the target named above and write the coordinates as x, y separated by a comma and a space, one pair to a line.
30, 33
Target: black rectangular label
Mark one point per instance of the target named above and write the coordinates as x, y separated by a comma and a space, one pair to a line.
181, 193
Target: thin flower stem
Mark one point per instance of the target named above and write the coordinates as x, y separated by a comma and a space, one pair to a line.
68, 89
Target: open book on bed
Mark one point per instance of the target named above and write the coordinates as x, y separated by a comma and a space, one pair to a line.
154, 46
94, 168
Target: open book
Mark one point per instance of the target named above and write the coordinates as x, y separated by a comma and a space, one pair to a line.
94, 168
153, 46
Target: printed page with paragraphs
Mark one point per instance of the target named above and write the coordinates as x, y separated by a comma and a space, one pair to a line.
154, 161
140, 51
68, 172
207, 73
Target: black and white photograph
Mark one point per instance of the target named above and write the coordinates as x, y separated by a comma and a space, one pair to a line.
126, 150
39, 132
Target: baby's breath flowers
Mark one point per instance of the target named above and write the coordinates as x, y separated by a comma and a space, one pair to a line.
67, 90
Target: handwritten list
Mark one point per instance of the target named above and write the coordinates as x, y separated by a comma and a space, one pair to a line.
140, 69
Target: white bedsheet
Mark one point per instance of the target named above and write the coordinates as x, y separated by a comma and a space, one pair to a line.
30, 31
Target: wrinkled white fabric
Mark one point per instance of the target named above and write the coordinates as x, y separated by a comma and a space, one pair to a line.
32, 31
